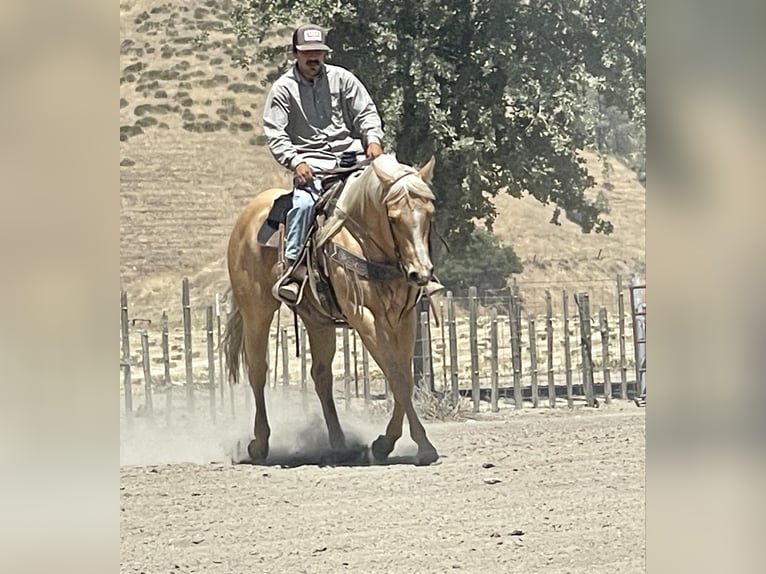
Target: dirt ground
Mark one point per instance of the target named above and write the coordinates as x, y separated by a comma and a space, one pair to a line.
565, 493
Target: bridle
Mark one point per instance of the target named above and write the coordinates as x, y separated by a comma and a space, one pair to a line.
359, 229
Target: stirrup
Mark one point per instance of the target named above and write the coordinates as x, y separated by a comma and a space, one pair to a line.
289, 292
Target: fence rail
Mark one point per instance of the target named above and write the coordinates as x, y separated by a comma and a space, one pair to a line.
497, 348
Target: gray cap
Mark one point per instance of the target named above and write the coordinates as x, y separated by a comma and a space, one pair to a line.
309, 37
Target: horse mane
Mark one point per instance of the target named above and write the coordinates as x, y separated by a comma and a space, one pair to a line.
368, 192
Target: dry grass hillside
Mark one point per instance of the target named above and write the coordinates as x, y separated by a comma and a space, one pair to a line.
192, 154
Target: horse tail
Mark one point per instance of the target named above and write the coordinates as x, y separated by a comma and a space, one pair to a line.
233, 341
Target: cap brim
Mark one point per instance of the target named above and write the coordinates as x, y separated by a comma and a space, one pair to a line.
318, 46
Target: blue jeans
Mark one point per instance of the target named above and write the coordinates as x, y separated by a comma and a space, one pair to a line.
300, 216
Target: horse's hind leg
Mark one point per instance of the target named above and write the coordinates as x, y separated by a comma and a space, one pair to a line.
256, 349
322, 341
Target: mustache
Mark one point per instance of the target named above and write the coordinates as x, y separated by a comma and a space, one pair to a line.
312, 62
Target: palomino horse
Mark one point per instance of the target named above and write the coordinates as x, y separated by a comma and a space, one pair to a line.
382, 216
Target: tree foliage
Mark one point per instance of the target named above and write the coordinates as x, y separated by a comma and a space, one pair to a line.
497, 90
482, 263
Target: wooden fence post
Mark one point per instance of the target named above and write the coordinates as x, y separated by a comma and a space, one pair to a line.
210, 361
285, 357
148, 402
621, 324
567, 351
166, 364
219, 338
346, 369
549, 341
444, 347
603, 323
165, 345
304, 353
583, 305
245, 382
533, 360
187, 344
356, 365
516, 350
474, 340
425, 330
365, 375
638, 314
453, 349
277, 334
494, 367
125, 360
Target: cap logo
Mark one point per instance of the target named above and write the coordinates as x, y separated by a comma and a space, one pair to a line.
312, 36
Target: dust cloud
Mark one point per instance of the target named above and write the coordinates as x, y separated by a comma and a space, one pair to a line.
298, 431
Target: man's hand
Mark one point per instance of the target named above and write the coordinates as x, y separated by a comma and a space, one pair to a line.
304, 173
374, 150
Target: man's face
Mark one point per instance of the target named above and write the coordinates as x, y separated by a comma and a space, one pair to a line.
310, 62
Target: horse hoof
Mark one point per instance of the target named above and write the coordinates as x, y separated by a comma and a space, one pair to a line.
381, 448
427, 456
258, 453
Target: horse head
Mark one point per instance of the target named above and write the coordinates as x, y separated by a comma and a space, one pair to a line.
409, 207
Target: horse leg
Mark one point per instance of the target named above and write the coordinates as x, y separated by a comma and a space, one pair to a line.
400, 379
322, 341
393, 353
426, 451
256, 349
384, 444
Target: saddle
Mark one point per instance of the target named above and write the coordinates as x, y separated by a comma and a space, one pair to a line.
271, 235
333, 183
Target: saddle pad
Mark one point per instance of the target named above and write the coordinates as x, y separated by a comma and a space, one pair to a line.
267, 234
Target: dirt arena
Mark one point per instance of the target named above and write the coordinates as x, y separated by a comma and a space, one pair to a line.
553, 491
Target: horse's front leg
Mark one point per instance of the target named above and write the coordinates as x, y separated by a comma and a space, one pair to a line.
322, 342
384, 444
392, 350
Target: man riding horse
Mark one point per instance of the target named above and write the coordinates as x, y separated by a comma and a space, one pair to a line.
316, 115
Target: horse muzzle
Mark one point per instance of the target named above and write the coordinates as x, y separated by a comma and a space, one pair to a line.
419, 277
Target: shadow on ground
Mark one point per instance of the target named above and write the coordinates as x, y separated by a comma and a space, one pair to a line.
355, 455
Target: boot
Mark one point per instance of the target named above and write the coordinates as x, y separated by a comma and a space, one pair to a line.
291, 286
289, 291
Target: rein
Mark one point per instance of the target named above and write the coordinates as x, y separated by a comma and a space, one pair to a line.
384, 271
366, 267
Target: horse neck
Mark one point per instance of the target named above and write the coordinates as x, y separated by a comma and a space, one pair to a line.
370, 221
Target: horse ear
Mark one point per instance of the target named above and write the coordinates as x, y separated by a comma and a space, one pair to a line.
426, 172
384, 178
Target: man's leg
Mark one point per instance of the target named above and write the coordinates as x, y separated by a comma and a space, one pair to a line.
297, 224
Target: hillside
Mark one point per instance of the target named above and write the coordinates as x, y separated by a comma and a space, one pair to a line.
562, 257
191, 157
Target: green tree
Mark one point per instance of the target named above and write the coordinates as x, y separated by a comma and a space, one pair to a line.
496, 89
482, 263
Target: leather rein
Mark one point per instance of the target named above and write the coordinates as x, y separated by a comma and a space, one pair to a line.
373, 270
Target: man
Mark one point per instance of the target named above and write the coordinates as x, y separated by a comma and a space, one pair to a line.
314, 114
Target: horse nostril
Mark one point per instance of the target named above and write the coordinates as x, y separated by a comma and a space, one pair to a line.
413, 276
